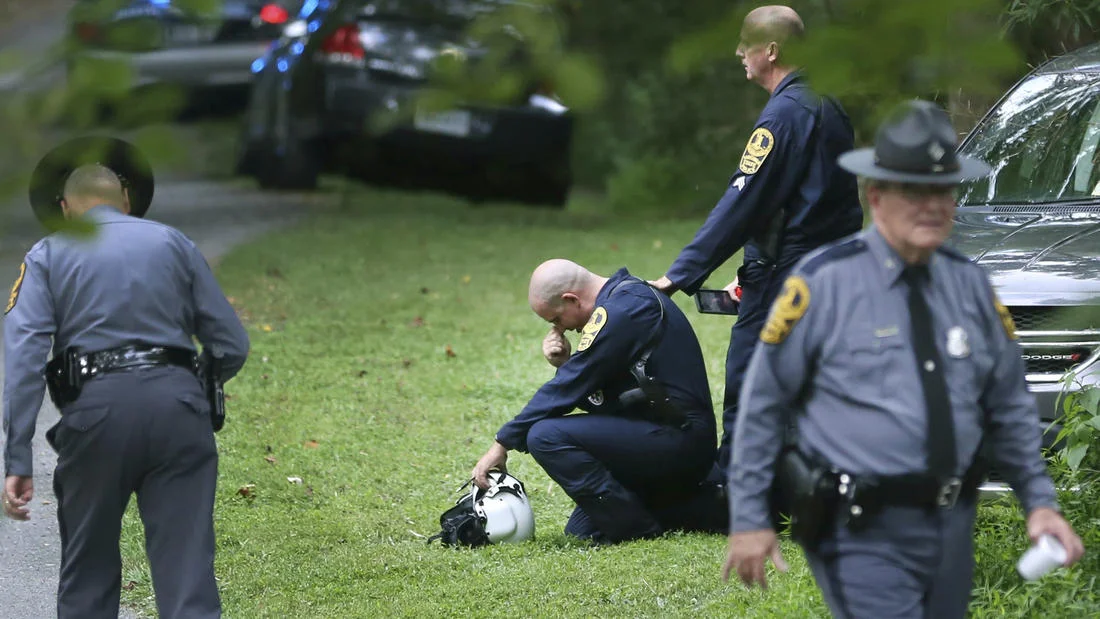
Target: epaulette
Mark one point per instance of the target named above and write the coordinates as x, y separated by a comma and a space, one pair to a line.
832, 253
954, 254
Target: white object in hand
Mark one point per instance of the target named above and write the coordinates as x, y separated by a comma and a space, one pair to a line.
1041, 558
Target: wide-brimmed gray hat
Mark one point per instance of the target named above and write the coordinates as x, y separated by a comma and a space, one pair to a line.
916, 144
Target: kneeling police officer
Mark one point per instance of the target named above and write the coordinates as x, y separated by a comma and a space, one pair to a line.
635, 464
121, 300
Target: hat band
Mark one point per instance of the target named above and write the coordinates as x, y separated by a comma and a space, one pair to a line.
927, 168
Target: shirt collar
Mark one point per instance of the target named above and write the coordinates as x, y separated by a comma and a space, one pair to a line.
104, 212
612, 281
792, 77
886, 258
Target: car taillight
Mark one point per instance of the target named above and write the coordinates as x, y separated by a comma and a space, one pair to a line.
274, 14
86, 32
343, 45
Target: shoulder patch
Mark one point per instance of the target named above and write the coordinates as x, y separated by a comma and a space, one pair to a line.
1006, 317
788, 309
592, 329
760, 144
14, 295
832, 253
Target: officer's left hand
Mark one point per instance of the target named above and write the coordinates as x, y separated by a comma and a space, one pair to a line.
1045, 521
747, 553
664, 284
18, 492
495, 458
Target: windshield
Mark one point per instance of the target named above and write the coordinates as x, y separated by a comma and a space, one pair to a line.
1042, 143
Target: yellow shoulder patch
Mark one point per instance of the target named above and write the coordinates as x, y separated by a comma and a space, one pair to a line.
788, 308
14, 296
756, 151
1006, 318
592, 329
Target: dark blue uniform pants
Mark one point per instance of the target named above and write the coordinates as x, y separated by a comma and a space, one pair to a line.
760, 285
630, 478
147, 432
909, 563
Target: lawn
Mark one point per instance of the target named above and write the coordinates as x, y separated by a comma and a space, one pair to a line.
390, 339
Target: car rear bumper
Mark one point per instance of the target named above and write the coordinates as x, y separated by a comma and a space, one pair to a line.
223, 64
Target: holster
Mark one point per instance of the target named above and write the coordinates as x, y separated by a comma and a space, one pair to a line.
63, 382
806, 492
651, 399
210, 372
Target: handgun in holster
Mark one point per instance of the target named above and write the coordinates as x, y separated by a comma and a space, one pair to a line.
767, 238
62, 380
807, 492
210, 371
650, 398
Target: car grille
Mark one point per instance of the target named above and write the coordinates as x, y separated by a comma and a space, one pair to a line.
1055, 339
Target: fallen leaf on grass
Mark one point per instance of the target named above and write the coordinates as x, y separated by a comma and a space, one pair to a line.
294, 480
312, 444
274, 272
450, 352
362, 373
309, 492
465, 279
266, 328
270, 459
247, 491
417, 322
418, 535
129, 586
614, 247
407, 362
657, 244
424, 290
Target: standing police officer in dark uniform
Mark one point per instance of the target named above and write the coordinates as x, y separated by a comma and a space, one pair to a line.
635, 461
899, 363
121, 300
787, 197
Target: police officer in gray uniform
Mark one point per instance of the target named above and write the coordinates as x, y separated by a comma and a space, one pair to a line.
121, 306
898, 364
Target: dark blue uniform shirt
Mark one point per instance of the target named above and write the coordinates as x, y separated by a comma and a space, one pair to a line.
626, 316
789, 163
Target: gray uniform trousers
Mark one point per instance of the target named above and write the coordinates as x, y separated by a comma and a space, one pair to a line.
908, 563
146, 431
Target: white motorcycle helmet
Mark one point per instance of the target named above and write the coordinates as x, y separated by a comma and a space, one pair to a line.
504, 509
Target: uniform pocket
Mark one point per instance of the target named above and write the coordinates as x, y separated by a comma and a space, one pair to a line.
871, 357
195, 403
84, 419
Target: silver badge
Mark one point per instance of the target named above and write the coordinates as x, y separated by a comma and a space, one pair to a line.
596, 398
936, 151
957, 345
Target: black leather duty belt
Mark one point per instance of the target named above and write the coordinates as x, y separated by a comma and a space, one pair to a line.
92, 364
908, 490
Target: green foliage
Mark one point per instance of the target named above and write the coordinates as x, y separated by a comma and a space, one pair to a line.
1080, 420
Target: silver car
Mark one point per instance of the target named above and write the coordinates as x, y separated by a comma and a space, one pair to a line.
1034, 223
172, 42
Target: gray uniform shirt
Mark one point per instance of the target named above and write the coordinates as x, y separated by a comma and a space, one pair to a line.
133, 282
839, 356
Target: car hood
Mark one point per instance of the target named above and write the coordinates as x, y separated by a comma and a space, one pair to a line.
1034, 258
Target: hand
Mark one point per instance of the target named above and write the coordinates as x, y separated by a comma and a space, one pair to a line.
734, 290
747, 553
18, 492
1044, 520
665, 285
556, 348
495, 458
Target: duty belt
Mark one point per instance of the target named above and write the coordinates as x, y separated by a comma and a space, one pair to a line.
92, 364
67, 372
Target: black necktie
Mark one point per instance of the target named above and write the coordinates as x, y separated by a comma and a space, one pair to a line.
941, 427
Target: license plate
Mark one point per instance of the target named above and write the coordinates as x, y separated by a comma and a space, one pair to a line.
451, 122
188, 34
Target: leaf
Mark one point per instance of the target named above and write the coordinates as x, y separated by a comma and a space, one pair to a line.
247, 491
1095, 422
1090, 400
312, 444
465, 279
417, 322
1075, 454
294, 480
450, 351
266, 328
270, 459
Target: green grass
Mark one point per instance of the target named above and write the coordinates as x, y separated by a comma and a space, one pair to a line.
351, 388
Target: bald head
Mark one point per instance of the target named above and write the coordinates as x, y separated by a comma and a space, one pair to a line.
554, 278
773, 23
92, 185
564, 293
